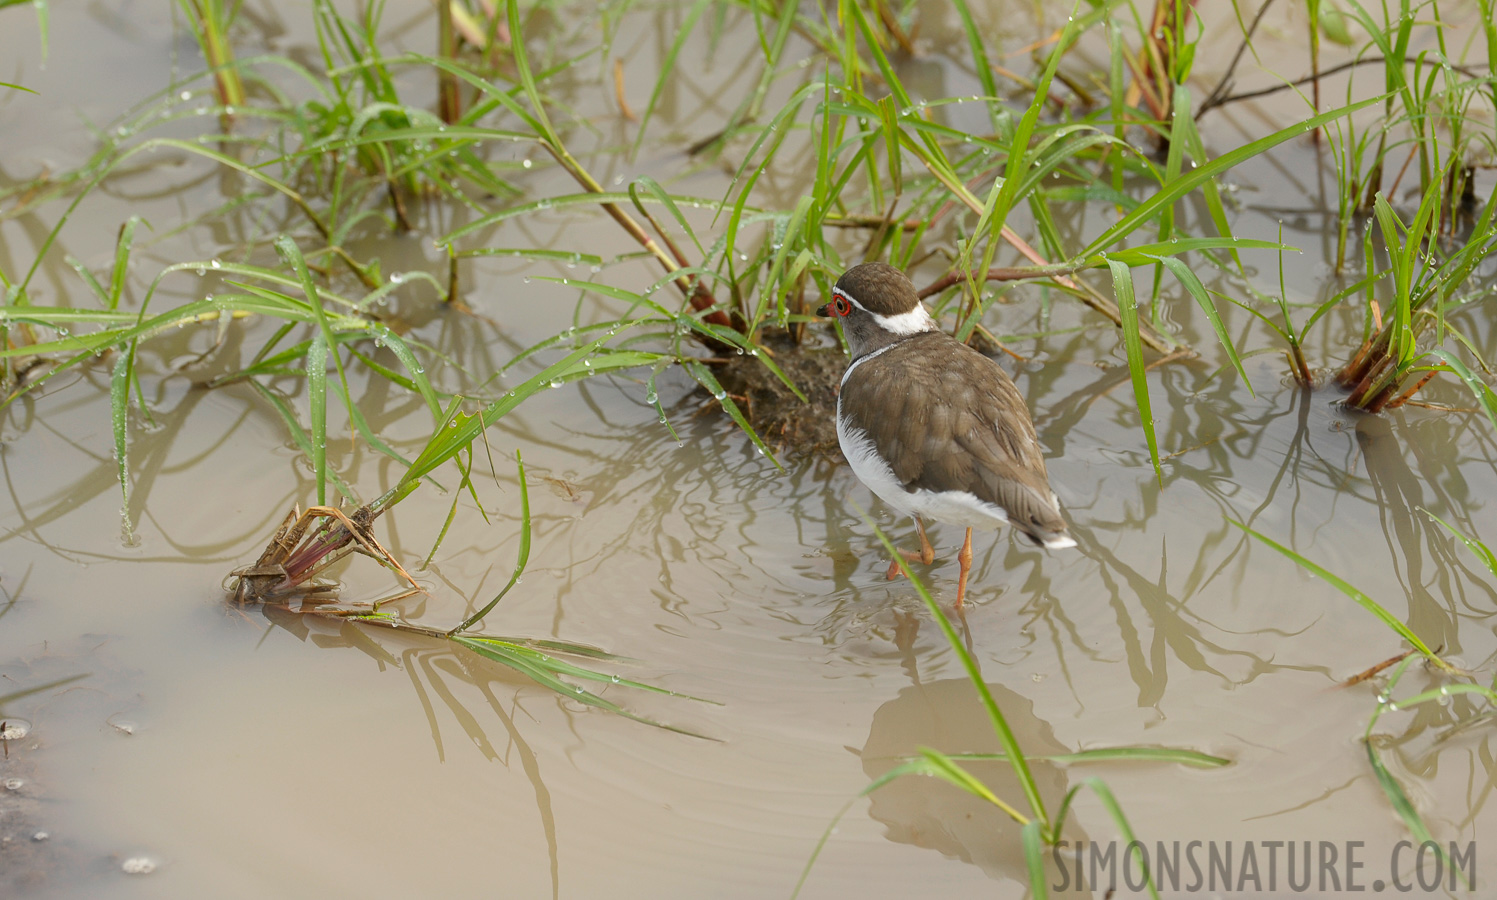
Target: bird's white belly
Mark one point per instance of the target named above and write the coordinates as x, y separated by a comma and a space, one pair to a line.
952, 507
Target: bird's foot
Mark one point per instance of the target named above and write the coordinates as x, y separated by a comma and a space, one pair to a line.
926, 556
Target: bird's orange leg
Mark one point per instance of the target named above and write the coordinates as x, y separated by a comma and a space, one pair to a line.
964, 559
927, 554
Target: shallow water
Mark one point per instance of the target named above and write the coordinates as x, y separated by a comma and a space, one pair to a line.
254, 753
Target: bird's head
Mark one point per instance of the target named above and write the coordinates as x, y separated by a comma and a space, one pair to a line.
876, 303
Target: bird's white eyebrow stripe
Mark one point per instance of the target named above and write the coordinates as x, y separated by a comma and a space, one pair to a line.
838, 292
915, 321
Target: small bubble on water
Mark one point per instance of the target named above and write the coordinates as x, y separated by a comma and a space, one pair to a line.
138, 865
526, 164
185, 95
14, 729
14, 784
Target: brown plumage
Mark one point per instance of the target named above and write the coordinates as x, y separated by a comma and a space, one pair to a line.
932, 426
944, 425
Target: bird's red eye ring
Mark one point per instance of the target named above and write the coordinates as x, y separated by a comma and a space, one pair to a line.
840, 306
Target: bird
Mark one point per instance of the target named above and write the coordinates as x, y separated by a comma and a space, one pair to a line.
934, 428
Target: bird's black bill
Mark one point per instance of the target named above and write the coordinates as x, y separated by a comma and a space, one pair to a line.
825, 311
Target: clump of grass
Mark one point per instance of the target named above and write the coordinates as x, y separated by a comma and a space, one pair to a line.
1425, 288
307, 543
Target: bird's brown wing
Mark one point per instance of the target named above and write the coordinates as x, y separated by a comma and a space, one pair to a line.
947, 418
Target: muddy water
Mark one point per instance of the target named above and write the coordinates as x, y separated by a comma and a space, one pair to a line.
248, 753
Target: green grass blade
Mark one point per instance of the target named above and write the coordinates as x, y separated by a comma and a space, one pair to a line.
446, 442
1122, 282
1197, 291
1032, 837
544, 674
939, 765
317, 400
298, 434
1110, 803
667, 67
122, 259
706, 379
1485, 397
1403, 805
119, 413
1482, 551
1193, 758
1194, 178
1360, 598
522, 557
1005, 734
